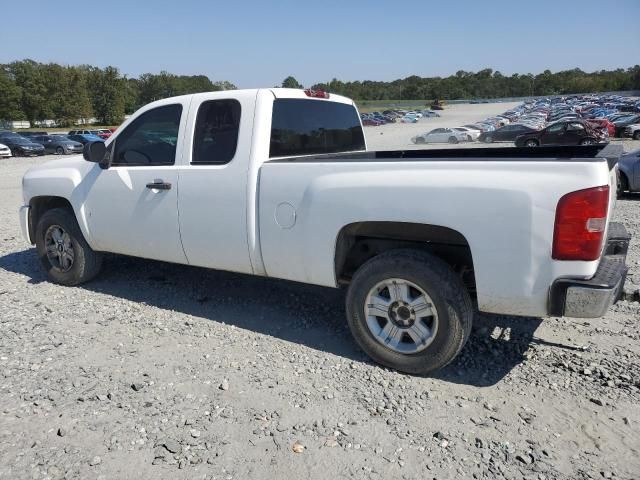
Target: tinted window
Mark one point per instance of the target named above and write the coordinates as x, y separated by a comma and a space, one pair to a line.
307, 127
151, 139
556, 128
575, 126
216, 134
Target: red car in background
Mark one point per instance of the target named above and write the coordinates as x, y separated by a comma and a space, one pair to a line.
604, 124
103, 133
370, 122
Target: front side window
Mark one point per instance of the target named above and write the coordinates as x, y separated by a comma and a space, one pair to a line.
216, 134
150, 139
309, 127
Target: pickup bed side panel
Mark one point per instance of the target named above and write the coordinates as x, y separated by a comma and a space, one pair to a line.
505, 210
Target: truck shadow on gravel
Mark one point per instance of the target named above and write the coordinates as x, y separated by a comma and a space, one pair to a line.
303, 314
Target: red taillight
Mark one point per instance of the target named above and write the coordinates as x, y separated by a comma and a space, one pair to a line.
581, 218
316, 93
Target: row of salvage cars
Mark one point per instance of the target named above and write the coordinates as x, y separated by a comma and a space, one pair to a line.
576, 120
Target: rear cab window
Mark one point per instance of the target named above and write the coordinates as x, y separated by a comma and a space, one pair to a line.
312, 127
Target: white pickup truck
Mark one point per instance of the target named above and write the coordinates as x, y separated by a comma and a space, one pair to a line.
278, 183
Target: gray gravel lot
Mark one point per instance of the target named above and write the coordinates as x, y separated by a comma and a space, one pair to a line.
156, 371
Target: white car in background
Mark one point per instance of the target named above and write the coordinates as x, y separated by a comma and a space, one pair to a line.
472, 133
414, 114
5, 152
441, 135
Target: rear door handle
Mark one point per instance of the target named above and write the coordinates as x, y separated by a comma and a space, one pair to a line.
159, 185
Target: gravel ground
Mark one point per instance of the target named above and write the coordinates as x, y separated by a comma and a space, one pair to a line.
163, 371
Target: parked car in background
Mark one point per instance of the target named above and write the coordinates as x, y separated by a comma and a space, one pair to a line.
472, 133
604, 123
623, 122
632, 131
629, 172
31, 134
574, 132
370, 122
80, 132
58, 144
21, 146
441, 135
409, 119
103, 133
5, 152
508, 133
84, 138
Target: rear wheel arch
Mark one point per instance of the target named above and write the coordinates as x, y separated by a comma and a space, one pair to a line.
356, 243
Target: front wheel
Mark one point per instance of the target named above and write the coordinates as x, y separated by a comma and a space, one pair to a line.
587, 141
636, 135
64, 253
453, 140
488, 139
531, 143
59, 151
408, 310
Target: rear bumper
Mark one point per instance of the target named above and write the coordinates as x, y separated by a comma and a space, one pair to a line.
592, 298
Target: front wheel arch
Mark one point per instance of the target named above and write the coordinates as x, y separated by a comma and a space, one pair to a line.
40, 204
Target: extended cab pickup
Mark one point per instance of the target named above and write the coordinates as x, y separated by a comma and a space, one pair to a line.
278, 183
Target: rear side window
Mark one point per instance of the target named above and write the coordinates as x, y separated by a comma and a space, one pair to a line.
216, 133
150, 139
309, 127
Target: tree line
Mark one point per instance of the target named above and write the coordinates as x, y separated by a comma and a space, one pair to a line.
488, 84
40, 91
36, 91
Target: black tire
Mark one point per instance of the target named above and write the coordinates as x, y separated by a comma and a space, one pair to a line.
453, 140
531, 143
488, 139
420, 141
623, 184
636, 135
450, 299
59, 151
86, 263
587, 141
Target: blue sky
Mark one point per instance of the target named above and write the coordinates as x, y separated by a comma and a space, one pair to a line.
259, 43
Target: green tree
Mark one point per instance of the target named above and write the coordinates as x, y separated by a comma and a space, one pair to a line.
291, 82
10, 96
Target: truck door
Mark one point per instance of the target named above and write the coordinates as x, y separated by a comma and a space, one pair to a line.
132, 207
212, 202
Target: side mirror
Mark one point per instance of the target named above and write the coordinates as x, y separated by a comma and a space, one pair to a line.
96, 152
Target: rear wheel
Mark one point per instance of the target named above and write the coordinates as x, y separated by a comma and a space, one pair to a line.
531, 143
587, 141
408, 310
453, 140
420, 140
636, 135
63, 251
488, 139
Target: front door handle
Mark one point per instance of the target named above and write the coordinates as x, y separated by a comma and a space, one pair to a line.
159, 185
